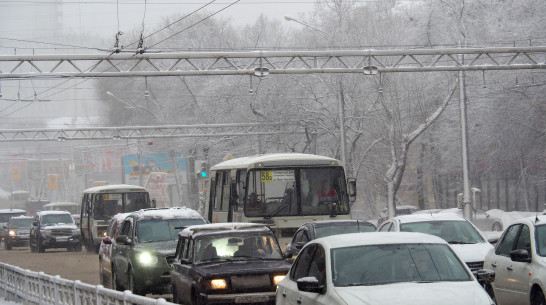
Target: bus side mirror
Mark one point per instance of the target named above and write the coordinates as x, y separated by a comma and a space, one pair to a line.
153, 203
351, 185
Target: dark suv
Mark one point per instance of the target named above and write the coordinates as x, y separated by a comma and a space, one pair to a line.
17, 232
145, 246
54, 229
227, 263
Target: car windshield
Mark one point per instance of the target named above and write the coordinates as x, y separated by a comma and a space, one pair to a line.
57, 219
296, 191
236, 246
342, 229
21, 223
163, 229
541, 239
452, 231
395, 263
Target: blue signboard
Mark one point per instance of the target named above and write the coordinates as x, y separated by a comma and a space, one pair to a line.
154, 163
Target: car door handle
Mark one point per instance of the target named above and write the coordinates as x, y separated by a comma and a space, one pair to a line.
509, 268
284, 293
299, 300
494, 265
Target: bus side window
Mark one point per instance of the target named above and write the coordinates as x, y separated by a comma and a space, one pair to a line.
218, 191
84, 205
226, 192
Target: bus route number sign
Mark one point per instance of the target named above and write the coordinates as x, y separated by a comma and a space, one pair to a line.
283, 175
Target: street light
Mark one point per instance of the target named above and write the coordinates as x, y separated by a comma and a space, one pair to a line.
341, 103
131, 106
288, 18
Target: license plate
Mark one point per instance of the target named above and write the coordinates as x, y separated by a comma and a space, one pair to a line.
251, 299
61, 239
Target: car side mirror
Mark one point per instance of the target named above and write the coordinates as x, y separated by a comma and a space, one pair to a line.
107, 240
298, 245
310, 284
123, 240
493, 240
287, 255
35, 223
484, 276
520, 255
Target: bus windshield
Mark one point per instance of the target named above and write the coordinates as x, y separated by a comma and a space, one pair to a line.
108, 204
296, 191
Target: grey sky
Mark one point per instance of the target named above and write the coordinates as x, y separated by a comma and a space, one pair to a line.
81, 16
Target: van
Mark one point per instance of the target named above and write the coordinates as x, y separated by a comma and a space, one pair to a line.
73, 208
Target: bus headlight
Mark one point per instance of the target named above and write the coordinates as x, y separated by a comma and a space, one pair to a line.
147, 259
277, 279
216, 284
12, 233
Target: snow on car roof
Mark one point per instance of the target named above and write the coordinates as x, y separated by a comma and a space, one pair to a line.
378, 238
227, 226
7, 211
121, 216
62, 204
428, 217
52, 212
168, 213
325, 223
533, 219
22, 217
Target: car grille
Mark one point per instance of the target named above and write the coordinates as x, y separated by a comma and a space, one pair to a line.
245, 283
61, 232
475, 265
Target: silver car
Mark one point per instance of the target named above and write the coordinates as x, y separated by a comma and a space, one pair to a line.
519, 262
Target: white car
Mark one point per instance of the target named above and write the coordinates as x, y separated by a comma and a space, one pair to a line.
465, 238
380, 268
519, 261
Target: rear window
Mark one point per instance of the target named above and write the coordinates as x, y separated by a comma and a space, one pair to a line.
6, 216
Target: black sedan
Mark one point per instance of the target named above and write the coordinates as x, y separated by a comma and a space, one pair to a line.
317, 229
227, 263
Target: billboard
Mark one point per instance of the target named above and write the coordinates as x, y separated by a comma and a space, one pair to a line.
164, 163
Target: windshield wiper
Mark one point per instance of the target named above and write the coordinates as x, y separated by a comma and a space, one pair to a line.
458, 242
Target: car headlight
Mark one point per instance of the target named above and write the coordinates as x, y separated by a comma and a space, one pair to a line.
75, 232
277, 279
216, 284
45, 232
147, 259
12, 233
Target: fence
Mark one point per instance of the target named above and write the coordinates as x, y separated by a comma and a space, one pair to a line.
29, 287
